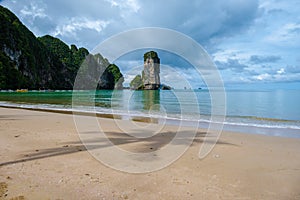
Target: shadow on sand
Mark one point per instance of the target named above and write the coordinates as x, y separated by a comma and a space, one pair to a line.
142, 145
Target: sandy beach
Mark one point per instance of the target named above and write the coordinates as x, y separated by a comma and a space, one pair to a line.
42, 157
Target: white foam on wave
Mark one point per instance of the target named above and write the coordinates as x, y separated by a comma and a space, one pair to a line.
205, 120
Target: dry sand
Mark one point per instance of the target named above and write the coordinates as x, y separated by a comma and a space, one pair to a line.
41, 157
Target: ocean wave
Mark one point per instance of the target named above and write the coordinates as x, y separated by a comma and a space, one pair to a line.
229, 121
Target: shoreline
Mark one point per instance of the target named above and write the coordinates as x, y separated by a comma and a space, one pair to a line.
42, 157
287, 132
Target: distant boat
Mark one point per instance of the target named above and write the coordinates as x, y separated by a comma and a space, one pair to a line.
22, 90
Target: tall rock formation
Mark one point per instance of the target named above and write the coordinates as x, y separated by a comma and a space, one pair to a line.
150, 75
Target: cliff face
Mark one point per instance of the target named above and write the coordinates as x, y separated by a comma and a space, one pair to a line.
20, 54
45, 62
151, 78
68, 59
88, 77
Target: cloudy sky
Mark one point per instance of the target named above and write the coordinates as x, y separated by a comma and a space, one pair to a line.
250, 41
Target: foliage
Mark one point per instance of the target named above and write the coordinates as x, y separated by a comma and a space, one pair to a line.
117, 75
136, 83
20, 54
44, 62
150, 54
71, 58
8, 74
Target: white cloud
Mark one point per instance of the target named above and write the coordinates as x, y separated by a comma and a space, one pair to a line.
223, 55
33, 11
131, 73
131, 5
277, 76
180, 78
76, 24
281, 71
288, 33
263, 77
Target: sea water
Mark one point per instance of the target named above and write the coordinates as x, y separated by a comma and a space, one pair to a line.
270, 112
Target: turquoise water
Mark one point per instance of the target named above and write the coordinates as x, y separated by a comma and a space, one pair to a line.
272, 112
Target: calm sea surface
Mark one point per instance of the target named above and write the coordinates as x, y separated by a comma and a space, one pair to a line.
271, 112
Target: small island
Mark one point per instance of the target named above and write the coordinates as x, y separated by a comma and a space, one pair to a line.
150, 78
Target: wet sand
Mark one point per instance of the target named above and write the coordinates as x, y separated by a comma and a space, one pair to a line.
42, 157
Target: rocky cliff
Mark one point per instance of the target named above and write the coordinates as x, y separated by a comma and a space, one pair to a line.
97, 73
45, 62
150, 79
150, 75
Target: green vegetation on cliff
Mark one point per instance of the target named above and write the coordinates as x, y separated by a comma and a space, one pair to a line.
150, 54
71, 58
44, 62
21, 53
136, 83
117, 77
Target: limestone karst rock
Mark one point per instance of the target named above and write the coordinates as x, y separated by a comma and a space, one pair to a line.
150, 75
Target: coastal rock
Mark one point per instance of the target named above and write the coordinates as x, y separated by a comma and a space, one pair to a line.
150, 79
136, 83
150, 75
97, 73
165, 87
